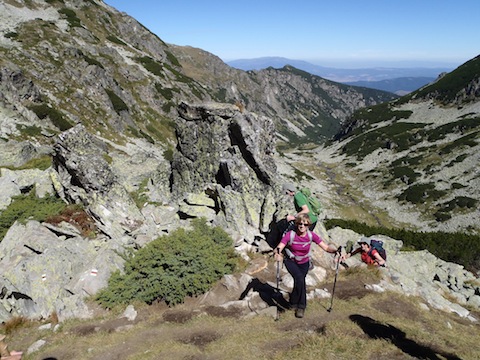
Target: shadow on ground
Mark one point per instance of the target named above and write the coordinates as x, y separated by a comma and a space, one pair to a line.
377, 330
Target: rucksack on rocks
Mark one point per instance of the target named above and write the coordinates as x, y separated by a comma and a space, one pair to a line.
378, 245
313, 202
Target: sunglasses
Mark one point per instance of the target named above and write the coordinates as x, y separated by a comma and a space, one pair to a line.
303, 224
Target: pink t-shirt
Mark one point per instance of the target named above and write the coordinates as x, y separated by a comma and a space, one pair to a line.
301, 246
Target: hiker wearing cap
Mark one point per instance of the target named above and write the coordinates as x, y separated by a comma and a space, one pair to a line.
370, 256
296, 244
301, 203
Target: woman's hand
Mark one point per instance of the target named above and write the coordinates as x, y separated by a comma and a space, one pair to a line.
345, 256
290, 218
278, 256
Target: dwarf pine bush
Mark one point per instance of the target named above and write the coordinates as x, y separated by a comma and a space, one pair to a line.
29, 207
172, 267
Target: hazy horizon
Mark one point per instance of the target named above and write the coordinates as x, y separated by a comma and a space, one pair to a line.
364, 64
347, 34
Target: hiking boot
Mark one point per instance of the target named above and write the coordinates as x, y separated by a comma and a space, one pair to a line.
299, 313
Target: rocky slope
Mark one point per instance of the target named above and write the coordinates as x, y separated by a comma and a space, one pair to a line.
417, 157
129, 133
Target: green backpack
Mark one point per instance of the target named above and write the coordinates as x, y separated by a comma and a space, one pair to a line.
313, 202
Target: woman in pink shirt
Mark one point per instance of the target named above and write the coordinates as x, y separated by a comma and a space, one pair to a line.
296, 244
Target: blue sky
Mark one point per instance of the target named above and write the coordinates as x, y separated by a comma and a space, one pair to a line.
337, 33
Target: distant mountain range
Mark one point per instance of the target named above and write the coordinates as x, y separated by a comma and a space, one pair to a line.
396, 80
400, 86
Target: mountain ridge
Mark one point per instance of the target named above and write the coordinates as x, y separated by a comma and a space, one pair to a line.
339, 74
138, 137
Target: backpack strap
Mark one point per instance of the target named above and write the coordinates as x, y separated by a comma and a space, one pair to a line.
292, 241
370, 253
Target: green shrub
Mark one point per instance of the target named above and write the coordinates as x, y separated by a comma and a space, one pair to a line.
406, 174
441, 216
172, 58
458, 127
94, 62
29, 206
420, 193
172, 267
456, 185
403, 135
167, 93
116, 40
168, 154
11, 35
151, 65
43, 111
469, 140
460, 201
117, 102
71, 16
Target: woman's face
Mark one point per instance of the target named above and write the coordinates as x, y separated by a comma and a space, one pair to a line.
303, 225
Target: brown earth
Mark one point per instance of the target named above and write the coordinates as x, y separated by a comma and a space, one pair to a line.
188, 330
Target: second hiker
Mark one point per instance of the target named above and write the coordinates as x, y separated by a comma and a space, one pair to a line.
297, 260
369, 254
302, 204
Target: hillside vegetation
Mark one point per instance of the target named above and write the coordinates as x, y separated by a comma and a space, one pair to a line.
422, 150
361, 325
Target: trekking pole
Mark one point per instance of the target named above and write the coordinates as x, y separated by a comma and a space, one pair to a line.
278, 286
339, 250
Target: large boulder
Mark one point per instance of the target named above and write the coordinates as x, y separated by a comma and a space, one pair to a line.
46, 270
85, 177
226, 154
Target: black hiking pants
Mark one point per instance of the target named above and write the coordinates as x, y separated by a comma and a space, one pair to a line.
298, 296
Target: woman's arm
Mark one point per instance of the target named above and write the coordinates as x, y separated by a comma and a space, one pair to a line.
304, 210
351, 253
328, 248
378, 259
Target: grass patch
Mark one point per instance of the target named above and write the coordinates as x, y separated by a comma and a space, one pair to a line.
42, 163
117, 102
151, 65
71, 17
44, 111
33, 131
386, 326
115, 40
29, 207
